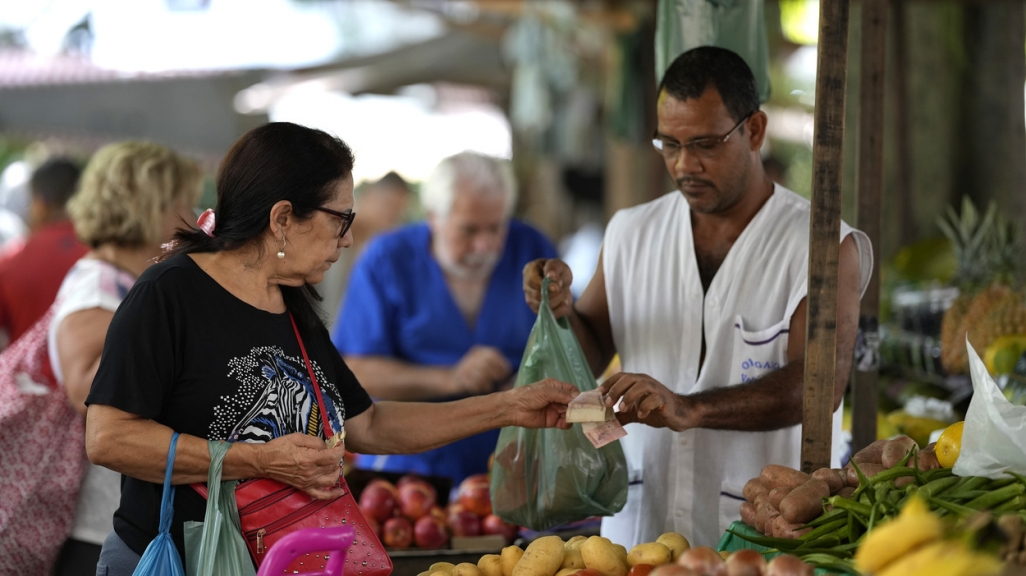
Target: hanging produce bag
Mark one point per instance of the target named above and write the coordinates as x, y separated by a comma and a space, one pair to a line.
215, 546
161, 557
550, 477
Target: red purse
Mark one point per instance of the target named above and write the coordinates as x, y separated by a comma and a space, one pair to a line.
268, 510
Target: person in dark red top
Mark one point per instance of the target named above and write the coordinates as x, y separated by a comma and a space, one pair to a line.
31, 275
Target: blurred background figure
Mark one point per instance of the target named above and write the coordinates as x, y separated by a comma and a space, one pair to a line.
383, 205
434, 310
132, 197
31, 274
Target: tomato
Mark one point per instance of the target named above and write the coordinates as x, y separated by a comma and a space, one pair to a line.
641, 570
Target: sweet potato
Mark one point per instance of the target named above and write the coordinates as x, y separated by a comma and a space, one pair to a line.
748, 515
871, 454
775, 476
895, 451
752, 489
805, 503
784, 529
778, 494
868, 469
832, 477
846, 492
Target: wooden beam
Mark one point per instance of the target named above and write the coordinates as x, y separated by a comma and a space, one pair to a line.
824, 235
869, 190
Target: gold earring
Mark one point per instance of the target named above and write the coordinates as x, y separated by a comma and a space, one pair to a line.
281, 251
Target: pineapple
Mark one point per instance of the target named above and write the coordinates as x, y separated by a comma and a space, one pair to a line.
1000, 310
969, 235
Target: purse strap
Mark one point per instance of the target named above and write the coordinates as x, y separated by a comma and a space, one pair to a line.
328, 433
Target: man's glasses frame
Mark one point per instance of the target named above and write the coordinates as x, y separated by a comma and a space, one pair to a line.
701, 147
347, 218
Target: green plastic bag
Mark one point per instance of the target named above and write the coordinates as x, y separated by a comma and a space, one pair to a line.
215, 546
549, 477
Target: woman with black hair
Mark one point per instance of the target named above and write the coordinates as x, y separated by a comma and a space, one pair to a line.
205, 345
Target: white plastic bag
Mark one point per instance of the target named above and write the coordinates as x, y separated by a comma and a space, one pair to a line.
994, 437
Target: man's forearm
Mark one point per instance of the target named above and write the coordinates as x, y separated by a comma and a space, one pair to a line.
771, 402
390, 379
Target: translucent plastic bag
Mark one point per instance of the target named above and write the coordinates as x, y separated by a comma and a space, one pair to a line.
161, 557
994, 435
549, 477
215, 546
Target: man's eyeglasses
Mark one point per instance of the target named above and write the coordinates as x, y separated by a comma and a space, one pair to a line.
704, 148
347, 218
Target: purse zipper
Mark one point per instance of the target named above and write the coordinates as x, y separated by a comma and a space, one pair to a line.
270, 499
284, 521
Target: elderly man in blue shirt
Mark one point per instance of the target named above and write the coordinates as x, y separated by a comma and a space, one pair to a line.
435, 310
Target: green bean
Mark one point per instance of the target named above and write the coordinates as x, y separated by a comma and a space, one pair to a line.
971, 483
782, 544
827, 517
996, 497
1013, 505
824, 529
938, 486
851, 506
937, 474
827, 561
951, 507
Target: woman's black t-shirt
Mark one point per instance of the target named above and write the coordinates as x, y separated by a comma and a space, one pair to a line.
183, 351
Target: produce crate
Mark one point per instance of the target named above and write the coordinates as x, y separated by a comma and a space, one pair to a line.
729, 542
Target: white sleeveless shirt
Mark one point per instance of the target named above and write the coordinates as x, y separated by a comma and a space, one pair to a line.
691, 482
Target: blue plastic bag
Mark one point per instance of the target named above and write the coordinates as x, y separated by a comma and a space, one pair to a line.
161, 557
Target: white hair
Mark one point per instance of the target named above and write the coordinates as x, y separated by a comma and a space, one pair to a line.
472, 171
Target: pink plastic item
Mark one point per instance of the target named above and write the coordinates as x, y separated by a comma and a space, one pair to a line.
335, 540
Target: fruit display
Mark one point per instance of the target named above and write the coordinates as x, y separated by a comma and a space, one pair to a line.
410, 513
991, 301
669, 555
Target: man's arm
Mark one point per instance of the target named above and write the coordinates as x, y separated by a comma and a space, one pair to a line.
771, 402
386, 378
589, 316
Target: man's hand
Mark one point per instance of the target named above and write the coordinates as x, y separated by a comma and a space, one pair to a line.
479, 369
541, 405
304, 462
643, 399
560, 299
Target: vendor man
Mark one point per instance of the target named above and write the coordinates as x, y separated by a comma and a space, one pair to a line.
434, 310
702, 294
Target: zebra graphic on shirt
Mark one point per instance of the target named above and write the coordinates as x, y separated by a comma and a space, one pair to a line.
275, 398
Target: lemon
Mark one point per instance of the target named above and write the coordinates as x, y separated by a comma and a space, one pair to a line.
949, 445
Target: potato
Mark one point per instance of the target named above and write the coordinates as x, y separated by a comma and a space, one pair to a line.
543, 557
724, 554
490, 565
599, 554
896, 450
677, 543
805, 503
927, 460
747, 516
846, 492
903, 481
833, 477
575, 542
764, 512
573, 559
440, 573
621, 551
509, 557
702, 560
776, 495
775, 476
868, 469
788, 565
745, 562
466, 569
567, 571
442, 567
871, 454
653, 553
753, 488
784, 529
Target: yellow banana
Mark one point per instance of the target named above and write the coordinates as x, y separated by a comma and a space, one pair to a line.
913, 527
943, 558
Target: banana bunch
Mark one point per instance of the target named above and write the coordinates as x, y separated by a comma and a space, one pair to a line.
913, 544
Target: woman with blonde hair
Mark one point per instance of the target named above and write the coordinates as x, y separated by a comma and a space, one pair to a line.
131, 198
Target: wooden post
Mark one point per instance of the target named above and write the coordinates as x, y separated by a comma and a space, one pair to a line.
825, 235
870, 195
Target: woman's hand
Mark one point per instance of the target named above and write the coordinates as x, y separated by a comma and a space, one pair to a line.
304, 462
541, 405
